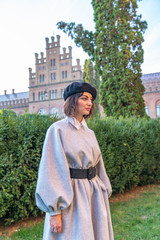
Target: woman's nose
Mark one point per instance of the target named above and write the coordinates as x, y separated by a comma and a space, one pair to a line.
90, 102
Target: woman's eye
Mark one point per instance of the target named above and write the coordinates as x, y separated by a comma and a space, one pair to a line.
84, 98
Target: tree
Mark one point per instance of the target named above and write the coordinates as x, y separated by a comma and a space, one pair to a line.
116, 47
92, 77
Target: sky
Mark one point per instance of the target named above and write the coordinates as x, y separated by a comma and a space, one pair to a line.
26, 23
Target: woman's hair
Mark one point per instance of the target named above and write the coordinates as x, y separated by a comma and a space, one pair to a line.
71, 104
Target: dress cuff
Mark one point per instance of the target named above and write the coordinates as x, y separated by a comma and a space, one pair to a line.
54, 213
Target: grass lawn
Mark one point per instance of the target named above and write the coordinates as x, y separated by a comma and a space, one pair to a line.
135, 216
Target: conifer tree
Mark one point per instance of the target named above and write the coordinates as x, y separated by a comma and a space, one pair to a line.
116, 47
92, 77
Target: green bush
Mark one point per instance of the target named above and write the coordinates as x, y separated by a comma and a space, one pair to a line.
21, 140
130, 149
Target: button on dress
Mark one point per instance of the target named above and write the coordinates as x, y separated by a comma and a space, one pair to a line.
83, 203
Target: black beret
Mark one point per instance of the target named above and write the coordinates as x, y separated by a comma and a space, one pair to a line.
77, 87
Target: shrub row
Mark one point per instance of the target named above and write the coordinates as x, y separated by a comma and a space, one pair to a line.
130, 149
21, 140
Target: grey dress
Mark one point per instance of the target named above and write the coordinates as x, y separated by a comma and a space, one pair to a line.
83, 203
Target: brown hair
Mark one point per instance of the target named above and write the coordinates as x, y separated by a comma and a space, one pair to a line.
70, 106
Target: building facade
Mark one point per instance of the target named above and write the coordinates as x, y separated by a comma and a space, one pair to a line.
53, 72
18, 102
151, 97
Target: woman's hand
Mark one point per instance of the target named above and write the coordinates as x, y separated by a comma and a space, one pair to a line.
56, 223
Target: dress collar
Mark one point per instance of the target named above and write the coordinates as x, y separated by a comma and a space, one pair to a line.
76, 123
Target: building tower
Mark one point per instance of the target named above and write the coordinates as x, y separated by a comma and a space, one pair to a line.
52, 74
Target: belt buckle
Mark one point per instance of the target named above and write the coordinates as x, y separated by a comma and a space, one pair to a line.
91, 173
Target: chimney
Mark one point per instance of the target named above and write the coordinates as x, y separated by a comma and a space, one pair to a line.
12, 91
5, 92
78, 62
70, 51
52, 39
47, 42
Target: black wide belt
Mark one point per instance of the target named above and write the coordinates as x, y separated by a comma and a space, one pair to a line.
83, 173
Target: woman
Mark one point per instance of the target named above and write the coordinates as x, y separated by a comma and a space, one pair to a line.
72, 186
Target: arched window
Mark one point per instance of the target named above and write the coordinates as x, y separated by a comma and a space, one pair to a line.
33, 96
45, 95
158, 108
53, 111
146, 109
42, 111
39, 96
65, 74
56, 94
62, 92
51, 63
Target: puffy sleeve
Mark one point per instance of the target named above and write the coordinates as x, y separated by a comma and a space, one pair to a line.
101, 171
54, 188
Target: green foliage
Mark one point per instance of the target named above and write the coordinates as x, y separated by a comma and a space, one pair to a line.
92, 77
119, 54
130, 149
82, 38
21, 140
116, 47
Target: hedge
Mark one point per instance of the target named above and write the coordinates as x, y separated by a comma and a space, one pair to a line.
130, 149
21, 140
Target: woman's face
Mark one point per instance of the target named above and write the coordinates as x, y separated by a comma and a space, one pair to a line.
85, 103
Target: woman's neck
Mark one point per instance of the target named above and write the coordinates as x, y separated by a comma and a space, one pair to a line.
79, 118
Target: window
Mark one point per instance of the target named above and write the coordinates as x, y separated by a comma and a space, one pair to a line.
146, 109
54, 62
45, 95
51, 76
65, 74
54, 76
56, 94
43, 77
33, 96
66, 63
39, 68
61, 64
40, 78
39, 96
62, 92
43, 67
158, 108
51, 63
52, 94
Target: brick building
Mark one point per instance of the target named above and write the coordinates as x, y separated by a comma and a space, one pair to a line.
151, 97
18, 102
53, 72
